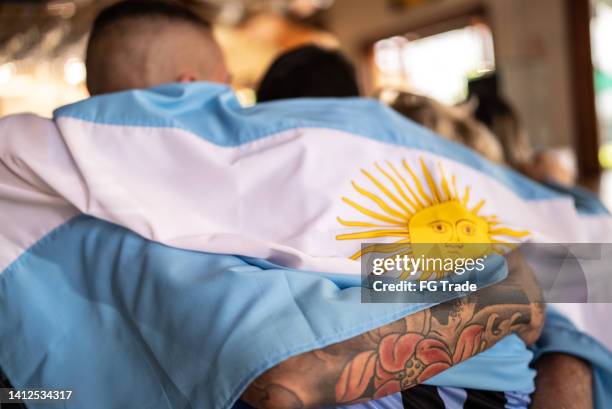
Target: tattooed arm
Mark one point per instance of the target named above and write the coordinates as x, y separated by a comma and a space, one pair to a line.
406, 352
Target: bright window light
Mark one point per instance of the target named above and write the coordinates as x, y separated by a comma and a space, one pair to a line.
437, 66
601, 32
7, 71
74, 71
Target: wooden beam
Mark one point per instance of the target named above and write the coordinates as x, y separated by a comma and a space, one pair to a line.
586, 134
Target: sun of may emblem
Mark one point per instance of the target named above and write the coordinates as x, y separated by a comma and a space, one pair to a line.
420, 210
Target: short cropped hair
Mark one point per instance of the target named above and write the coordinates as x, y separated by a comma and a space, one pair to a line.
309, 71
130, 9
130, 45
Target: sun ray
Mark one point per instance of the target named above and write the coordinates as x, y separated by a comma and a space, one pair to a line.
373, 214
399, 190
386, 191
417, 204
430, 182
350, 223
466, 196
380, 202
371, 234
478, 206
419, 186
504, 231
445, 189
454, 182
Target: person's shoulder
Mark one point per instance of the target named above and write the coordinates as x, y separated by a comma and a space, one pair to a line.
23, 121
18, 131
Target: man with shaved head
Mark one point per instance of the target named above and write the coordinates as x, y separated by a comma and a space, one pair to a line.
140, 44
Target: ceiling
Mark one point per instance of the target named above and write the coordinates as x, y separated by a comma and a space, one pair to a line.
28, 27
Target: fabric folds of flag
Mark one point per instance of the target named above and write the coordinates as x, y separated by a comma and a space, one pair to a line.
147, 235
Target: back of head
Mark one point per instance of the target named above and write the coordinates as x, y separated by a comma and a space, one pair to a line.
308, 71
498, 115
140, 44
451, 122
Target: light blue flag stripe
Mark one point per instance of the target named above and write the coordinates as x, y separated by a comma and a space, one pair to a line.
127, 322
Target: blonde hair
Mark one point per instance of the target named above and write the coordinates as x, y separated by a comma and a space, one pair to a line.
455, 123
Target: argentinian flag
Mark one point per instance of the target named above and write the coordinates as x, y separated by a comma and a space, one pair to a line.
163, 248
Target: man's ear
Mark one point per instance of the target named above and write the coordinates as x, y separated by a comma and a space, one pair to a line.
186, 77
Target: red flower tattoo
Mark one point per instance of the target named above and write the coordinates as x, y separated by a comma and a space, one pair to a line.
401, 361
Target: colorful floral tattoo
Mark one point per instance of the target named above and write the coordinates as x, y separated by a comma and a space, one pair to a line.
402, 354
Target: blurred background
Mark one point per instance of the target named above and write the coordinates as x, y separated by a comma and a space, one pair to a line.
550, 59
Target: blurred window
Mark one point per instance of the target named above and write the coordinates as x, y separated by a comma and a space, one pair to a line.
601, 33
438, 66
39, 83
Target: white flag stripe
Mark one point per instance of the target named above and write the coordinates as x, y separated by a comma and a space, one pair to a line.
276, 198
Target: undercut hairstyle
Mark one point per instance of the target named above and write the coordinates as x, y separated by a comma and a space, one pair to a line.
127, 48
130, 9
309, 71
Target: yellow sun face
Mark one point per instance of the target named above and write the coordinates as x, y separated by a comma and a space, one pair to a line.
448, 222
450, 225
416, 217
